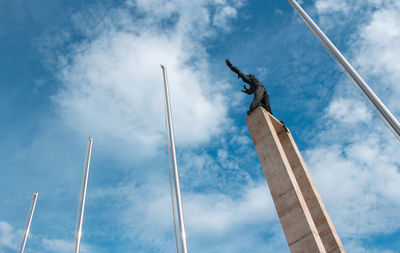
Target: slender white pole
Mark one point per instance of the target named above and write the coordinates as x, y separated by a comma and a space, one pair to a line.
81, 208
28, 224
175, 165
348, 68
171, 180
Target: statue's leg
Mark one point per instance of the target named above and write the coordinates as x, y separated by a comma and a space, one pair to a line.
256, 101
265, 102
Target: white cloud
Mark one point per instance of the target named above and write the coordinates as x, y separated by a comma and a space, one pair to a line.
9, 237
114, 89
353, 185
378, 53
350, 7
220, 200
221, 19
217, 213
147, 217
327, 6
340, 13
112, 83
349, 111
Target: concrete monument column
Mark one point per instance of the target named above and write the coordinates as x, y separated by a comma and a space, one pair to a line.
303, 216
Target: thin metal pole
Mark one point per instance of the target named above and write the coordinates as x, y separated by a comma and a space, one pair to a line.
81, 208
175, 165
28, 224
171, 182
348, 68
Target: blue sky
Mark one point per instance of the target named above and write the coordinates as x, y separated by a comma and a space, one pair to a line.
73, 69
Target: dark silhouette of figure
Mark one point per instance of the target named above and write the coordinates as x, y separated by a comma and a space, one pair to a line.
260, 93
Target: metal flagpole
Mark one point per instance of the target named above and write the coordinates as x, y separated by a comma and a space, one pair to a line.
171, 183
395, 125
81, 208
28, 224
175, 165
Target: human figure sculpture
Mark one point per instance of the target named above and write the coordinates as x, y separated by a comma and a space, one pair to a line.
261, 97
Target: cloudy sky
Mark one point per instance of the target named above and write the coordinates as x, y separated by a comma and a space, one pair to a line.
73, 69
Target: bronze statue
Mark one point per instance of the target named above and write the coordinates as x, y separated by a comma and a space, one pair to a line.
256, 88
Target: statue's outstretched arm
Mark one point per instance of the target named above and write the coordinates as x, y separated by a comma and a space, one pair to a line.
237, 71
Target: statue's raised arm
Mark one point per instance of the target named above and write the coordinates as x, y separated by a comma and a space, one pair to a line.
237, 71
261, 97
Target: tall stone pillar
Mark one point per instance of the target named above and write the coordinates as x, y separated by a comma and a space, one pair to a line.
303, 216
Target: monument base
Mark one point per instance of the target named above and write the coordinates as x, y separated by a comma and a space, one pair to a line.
303, 216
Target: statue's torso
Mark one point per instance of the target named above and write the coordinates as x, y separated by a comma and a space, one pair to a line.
257, 85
